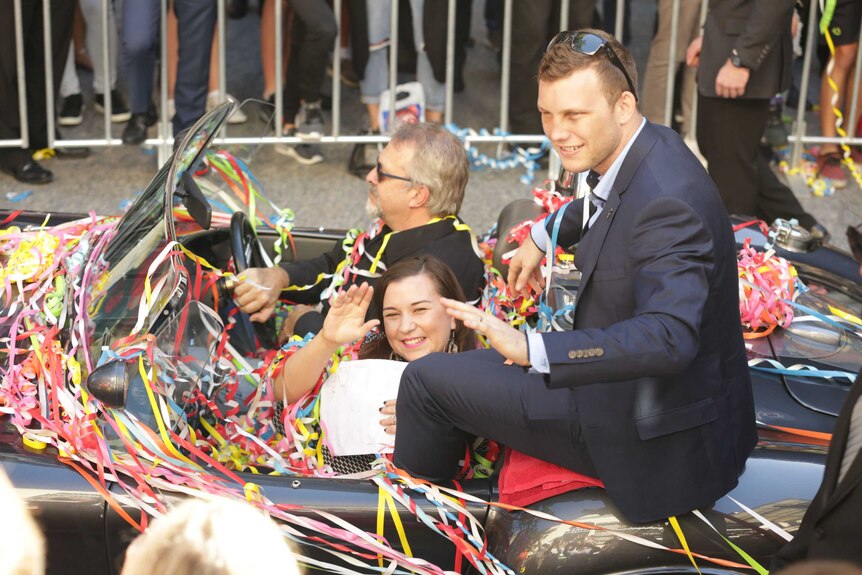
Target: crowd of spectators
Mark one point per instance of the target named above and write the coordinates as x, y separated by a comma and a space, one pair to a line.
309, 28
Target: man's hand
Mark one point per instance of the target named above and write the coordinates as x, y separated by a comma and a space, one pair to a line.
524, 268
345, 320
731, 81
510, 342
692, 53
258, 291
288, 328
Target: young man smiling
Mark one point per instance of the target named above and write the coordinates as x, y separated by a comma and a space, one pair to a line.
650, 391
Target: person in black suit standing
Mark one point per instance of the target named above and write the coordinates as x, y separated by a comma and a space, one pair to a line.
650, 392
831, 526
744, 58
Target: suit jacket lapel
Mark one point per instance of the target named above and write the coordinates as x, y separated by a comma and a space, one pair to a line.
835, 491
588, 250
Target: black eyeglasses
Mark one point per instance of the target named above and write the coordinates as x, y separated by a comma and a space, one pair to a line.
588, 43
381, 174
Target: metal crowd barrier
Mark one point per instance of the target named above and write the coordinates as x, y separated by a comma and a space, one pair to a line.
163, 141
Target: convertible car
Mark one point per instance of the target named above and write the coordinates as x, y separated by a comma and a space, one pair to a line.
128, 381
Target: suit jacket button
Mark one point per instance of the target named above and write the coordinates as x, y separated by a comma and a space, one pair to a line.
591, 352
580, 353
572, 354
599, 352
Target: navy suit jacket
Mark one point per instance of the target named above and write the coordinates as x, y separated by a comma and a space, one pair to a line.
656, 362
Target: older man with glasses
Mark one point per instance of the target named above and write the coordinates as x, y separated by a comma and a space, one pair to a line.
415, 193
650, 391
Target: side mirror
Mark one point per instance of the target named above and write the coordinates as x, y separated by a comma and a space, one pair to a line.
195, 201
109, 383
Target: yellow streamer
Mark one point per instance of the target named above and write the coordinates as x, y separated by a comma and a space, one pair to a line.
678, 530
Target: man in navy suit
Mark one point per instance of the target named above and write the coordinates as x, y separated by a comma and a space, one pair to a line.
650, 392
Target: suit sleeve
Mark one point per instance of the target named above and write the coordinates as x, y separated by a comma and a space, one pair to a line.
768, 21
570, 226
671, 258
307, 272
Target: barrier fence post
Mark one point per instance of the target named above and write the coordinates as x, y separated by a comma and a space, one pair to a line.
163, 152
49, 72
279, 66
24, 140
393, 60
108, 102
336, 71
671, 64
800, 128
450, 62
221, 31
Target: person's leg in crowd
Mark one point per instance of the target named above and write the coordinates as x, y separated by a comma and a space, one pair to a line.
438, 412
104, 81
728, 134
71, 99
376, 78
320, 29
305, 154
659, 66
140, 30
267, 49
18, 162
529, 40
844, 29
196, 22
214, 95
435, 92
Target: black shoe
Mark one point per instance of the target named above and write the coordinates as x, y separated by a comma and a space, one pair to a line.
30, 172
71, 153
136, 130
72, 110
364, 156
119, 110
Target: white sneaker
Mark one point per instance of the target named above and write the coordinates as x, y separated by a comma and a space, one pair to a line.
214, 98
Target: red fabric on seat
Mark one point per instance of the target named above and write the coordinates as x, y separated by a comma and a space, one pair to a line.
525, 480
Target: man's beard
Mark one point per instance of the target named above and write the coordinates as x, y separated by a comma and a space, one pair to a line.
372, 208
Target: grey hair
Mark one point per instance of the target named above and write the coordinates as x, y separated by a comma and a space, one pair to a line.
439, 162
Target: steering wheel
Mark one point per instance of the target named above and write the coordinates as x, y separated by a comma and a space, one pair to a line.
248, 252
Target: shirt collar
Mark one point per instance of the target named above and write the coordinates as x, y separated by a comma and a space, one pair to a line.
606, 182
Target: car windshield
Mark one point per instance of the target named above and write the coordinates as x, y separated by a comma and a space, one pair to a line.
135, 262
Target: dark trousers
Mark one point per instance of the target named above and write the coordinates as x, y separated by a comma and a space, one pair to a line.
195, 26
729, 134
535, 23
446, 399
34, 69
311, 38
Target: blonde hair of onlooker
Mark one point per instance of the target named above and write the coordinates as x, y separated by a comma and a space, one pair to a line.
22, 547
211, 537
439, 162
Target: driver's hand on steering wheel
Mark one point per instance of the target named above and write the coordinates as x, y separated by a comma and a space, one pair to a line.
258, 291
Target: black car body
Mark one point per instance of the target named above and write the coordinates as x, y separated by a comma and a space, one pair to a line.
88, 533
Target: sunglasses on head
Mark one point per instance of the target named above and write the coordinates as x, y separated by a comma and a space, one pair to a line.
589, 44
381, 174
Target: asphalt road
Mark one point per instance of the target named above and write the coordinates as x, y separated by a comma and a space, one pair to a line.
326, 194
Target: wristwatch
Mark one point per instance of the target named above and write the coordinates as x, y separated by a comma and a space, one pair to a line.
736, 60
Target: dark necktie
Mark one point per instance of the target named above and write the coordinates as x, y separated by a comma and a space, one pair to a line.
596, 202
